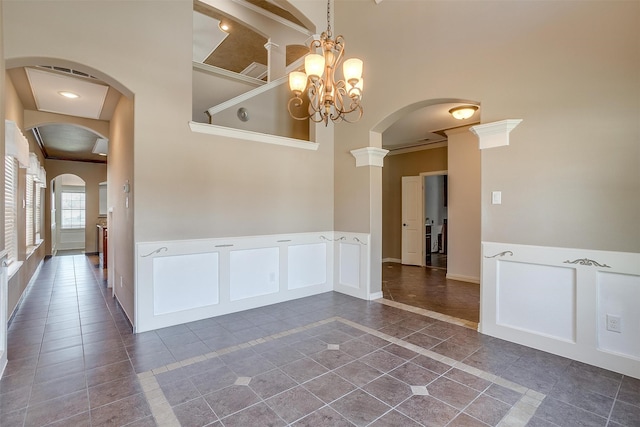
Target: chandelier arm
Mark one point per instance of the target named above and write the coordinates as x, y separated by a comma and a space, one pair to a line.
295, 102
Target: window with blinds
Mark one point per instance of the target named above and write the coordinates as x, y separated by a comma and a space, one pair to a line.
38, 211
10, 208
29, 210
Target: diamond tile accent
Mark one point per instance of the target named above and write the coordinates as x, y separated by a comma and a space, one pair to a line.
419, 390
243, 381
333, 346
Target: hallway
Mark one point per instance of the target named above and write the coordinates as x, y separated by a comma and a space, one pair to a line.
324, 361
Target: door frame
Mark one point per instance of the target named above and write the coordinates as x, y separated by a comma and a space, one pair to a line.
422, 176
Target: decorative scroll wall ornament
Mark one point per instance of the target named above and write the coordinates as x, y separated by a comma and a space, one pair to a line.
355, 239
157, 251
332, 240
501, 254
587, 262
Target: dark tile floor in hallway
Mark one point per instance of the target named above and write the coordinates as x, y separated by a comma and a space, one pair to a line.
327, 360
429, 288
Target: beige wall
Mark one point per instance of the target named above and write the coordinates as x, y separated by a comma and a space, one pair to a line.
463, 231
267, 114
92, 174
395, 167
120, 219
571, 174
187, 185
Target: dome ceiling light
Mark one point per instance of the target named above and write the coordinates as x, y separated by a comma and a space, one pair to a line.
463, 112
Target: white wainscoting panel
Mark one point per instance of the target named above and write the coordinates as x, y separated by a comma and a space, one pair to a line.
307, 265
557, 299
353, 257
349, 254
184, 282
619, 295
523, 299
254, 272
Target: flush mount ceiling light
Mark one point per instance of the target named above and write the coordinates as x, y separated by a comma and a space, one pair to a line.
68, 94
328, 98
463, 112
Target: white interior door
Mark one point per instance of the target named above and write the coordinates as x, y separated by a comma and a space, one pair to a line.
412, 222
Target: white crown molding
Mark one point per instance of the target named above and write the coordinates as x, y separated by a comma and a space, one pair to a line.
494, 134
252, 136
431, 146
226, 73
369, 156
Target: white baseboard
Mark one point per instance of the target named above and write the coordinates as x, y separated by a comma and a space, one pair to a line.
397, 260
375, 296
462, 278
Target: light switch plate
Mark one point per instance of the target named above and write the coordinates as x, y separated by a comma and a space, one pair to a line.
496, 197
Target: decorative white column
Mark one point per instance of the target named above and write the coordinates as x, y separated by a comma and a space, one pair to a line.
369, 156
494, 134
276, 61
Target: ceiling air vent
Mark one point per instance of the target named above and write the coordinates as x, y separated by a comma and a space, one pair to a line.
69, 71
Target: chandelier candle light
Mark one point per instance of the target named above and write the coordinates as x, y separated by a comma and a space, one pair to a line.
328, 98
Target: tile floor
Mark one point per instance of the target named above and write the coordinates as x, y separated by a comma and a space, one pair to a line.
327, 360
430, 289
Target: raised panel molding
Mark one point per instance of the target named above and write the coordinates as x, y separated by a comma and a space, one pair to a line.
557, 300
187, 280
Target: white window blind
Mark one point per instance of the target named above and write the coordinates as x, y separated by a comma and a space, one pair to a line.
38, 211
72, 210
10, 205
29, 210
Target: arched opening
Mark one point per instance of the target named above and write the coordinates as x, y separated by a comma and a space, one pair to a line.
430, 218
68, 215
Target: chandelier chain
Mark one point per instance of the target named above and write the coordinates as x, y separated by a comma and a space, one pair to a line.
329, 18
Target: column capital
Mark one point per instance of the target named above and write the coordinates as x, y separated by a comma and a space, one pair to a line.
495, 134
369, 156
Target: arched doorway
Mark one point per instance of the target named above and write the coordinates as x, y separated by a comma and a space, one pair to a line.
68, 215
424, 140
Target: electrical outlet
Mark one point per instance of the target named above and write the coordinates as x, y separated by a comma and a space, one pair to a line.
614, 323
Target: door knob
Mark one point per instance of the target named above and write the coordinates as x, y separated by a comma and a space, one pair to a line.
404, 225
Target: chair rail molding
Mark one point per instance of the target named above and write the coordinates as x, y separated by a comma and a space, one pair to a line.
495, 134
369, 156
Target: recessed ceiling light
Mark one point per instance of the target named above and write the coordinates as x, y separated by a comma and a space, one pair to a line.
69, 95
224, 27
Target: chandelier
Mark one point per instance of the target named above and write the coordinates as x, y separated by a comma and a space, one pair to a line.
328, 99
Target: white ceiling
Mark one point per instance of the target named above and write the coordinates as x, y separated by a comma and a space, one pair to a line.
46, 87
